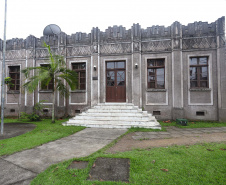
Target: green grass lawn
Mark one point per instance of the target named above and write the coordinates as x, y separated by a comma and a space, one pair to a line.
196, 164
44, 132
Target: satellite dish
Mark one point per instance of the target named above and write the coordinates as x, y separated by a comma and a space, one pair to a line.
51, 30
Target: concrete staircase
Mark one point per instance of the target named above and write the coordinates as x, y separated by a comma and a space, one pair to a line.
114, 115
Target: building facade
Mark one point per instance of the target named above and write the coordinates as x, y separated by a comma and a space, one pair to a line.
172, 72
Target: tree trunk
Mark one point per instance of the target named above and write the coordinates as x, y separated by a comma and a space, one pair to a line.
54, 98
19, 110
53, 107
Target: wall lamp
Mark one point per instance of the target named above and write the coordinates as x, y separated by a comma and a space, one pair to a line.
95, 68
136, 65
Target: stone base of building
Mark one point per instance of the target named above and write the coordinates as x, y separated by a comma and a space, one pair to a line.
178, 113
222, 115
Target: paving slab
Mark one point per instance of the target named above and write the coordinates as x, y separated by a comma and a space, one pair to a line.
11, 173
110, 169
36, 160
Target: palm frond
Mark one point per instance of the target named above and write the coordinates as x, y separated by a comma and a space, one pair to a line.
55, 70
62, 88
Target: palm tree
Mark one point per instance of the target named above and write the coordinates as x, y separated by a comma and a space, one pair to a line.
54, 72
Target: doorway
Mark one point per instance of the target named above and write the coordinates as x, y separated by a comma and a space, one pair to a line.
115, 81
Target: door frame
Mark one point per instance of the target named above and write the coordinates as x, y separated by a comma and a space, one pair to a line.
104, 74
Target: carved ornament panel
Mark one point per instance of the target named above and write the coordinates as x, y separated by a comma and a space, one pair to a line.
15, 54
30, 53
115, 48
158, 45
199, 43
79, 51
222, 41
43, 53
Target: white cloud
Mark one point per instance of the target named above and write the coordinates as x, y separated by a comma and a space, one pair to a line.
25, 17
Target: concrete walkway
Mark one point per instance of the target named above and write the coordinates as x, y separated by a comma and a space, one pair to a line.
20, 168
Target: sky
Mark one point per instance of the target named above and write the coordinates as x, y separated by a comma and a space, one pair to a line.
30, 17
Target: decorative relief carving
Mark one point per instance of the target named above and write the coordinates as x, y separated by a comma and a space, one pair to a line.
15, 54
136, 46
79, 50
199, 43
115, 48
61, 51
156, 45
43, 53
176, 43
221, 40
30, 53
95, 48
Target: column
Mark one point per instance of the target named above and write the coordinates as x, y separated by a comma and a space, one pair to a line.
221, 68
95, 73
136, 65
177, 71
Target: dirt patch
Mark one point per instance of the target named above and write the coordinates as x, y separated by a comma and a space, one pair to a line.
127, 143
78, 165
110, 169
16, 129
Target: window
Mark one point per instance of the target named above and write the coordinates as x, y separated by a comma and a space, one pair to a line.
50, 85
80, 69
14, 74
156, 73
199, 72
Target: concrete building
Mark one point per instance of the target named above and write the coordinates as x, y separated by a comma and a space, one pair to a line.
171, 72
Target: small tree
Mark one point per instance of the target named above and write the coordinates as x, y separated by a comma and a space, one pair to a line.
57, 72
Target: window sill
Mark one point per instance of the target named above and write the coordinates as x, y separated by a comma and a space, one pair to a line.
46, 91
200, 89
13, 92
78, 91
156, 90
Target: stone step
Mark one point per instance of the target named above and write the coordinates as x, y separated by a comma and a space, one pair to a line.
115, 107
123, 125
115, 118
115, 104
114, 122
113, 114
115, 110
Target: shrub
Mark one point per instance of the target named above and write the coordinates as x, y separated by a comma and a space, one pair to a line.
36, 114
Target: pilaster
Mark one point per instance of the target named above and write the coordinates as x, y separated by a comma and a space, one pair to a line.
95, 67
221, 68
177, 70
136, 65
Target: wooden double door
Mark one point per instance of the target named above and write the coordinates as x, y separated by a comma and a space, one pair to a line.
115, 81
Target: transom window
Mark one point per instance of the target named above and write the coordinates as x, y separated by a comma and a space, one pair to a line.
50, 85
156, 73
116, 65
14, 74
80, 69
199, 72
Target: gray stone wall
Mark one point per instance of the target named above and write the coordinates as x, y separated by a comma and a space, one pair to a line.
175, 43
